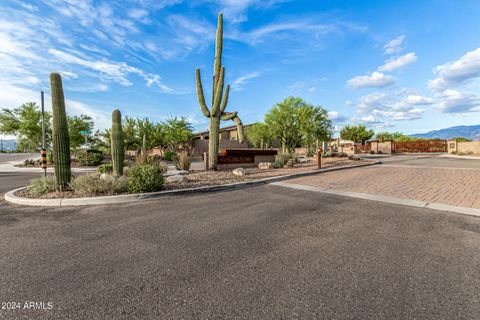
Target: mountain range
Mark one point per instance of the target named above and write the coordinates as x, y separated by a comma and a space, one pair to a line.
469, 132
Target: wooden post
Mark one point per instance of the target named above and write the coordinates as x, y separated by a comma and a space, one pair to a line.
319, 158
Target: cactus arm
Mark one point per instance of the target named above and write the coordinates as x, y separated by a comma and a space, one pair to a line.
218, 55
225, 99
218, 94
239, 125
201, 98
117, 143
228, 116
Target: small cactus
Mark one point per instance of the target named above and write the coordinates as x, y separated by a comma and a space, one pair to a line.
117, 144
60, 138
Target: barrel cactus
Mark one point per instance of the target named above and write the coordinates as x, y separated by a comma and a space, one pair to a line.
117, 147
219, 101
60, 138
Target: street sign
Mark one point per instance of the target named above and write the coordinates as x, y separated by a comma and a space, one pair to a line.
84, 132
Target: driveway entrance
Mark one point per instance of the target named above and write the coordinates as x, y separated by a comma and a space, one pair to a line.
428, 178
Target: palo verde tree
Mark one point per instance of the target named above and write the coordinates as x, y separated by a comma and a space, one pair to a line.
358, 133
219, 101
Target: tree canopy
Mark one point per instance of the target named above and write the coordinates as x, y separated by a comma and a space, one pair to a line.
259, 135
358, 133
295, 122
25, 122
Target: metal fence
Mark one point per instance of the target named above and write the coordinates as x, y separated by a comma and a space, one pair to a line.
421, 146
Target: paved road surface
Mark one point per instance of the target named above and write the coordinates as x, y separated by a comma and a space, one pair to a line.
8, 157
258, 253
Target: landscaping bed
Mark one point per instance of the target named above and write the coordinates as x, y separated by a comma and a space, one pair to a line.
197, 179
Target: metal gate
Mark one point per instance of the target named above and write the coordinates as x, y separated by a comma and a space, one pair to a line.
420, 146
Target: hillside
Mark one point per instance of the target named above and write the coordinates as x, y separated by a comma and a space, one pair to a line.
469, 132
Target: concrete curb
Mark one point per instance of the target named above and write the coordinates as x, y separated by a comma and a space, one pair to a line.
373, 197
10, 197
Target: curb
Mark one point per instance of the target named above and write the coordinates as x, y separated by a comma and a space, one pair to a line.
11, 198
367, 196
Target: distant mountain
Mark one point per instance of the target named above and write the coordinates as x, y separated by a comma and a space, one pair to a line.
8, 145
469, 132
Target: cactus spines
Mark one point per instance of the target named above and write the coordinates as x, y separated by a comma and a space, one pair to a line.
219, 101
117, 144
60, 138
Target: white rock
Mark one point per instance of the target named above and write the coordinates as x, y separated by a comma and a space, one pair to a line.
264, 165
238, 172
302, 160
177, 178
104, 176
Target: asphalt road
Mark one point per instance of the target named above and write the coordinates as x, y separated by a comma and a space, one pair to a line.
257, 253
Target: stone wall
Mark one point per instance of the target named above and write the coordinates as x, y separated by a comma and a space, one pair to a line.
466, 148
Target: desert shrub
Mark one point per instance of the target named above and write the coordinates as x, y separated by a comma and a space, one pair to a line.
284, 157
278, 164
145, 178
168, 155
89, 157
96, 184
31, 163
41, 185
182, 161
143, 159
105, 168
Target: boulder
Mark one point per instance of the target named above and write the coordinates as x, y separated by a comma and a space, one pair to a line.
353, 157
302, 160
104, 176
264, 165
178, 178
238, 172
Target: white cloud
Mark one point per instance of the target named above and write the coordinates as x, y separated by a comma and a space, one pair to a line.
137, 13
416, 99
235, 11
451, 82
238, 83
398, 63
395, 45
380, 107
375, 80
336, 116
306, 85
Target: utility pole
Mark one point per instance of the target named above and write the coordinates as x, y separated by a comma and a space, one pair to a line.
44, 142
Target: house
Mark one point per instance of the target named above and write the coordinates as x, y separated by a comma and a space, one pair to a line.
228, 140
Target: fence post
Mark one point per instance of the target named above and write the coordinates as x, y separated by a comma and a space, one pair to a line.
319, 158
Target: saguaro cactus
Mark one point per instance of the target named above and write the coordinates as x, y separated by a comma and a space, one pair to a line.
117, 144
217, 111
60, 139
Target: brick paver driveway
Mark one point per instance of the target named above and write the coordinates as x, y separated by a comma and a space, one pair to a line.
428, 178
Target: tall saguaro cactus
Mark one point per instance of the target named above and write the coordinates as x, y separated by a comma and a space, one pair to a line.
61, 141
217, 111
117, 144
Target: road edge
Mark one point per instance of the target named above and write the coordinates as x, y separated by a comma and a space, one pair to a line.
11, 198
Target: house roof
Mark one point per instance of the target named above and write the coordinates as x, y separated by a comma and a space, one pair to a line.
229, 128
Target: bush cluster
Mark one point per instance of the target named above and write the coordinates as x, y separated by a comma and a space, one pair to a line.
281, 159
182, 161
145, 178
168, 155
105, 168
96, 184
41, 185
89, 157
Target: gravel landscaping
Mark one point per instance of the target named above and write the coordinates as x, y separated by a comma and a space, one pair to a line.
215, 178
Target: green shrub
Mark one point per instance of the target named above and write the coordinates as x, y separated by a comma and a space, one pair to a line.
182, 161
169, 154
284, 157
41, 185
278, 164
49, 156
96, 184
89, 157
105, 168
145, 178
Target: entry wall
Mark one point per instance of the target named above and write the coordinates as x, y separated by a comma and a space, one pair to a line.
472, 147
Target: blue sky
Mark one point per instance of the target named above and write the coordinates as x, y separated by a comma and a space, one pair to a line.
409, 66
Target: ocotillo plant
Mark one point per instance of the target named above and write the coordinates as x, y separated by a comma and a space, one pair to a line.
118, 152
217, 110
60, 138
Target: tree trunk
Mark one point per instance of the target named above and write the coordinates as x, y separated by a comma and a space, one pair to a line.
213, 143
